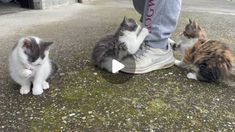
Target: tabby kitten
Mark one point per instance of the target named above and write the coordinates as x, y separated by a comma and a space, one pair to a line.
29, 63
126, 41
210, 60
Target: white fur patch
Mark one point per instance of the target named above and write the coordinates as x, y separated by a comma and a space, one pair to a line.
134, 39
24, 90
45, 85
37, 90
27, 73
186, 42
192, 76
129, 38
36, 39
178, 62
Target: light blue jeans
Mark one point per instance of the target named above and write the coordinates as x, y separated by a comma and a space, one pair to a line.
160, 17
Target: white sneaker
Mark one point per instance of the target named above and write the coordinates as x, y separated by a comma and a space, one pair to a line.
148, 59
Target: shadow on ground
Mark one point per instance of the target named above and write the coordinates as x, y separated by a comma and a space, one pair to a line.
9, 8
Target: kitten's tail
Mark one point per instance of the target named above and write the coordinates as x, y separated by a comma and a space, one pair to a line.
214, 71
54, 69
231, 81
232, 77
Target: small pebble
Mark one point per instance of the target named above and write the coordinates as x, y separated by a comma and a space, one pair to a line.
62, 74
64, 121
95, 73
73, 114
64, 117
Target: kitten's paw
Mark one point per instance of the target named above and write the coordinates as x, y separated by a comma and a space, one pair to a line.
45, 85
145, 31
172, 42
192, 76
27, 73
37, 90
175, 46
178, 63
24, 90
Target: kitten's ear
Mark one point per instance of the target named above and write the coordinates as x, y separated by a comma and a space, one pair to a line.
199, 27
195, 25
190, 21
26, 43
125, 21
46, 45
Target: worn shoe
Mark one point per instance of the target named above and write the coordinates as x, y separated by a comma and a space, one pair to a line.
149, 59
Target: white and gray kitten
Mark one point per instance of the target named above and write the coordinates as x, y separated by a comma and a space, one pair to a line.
126, 41
29, 63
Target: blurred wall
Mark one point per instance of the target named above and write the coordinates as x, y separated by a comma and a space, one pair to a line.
42, 4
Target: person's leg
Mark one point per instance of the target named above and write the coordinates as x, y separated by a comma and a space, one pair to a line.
139, 7
160, 17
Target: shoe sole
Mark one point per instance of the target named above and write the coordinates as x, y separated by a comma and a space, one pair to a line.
156, 66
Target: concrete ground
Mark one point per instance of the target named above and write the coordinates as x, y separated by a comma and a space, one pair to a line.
81, 100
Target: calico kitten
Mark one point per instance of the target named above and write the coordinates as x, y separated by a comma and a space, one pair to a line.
210, 60
124, 42
29, 63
